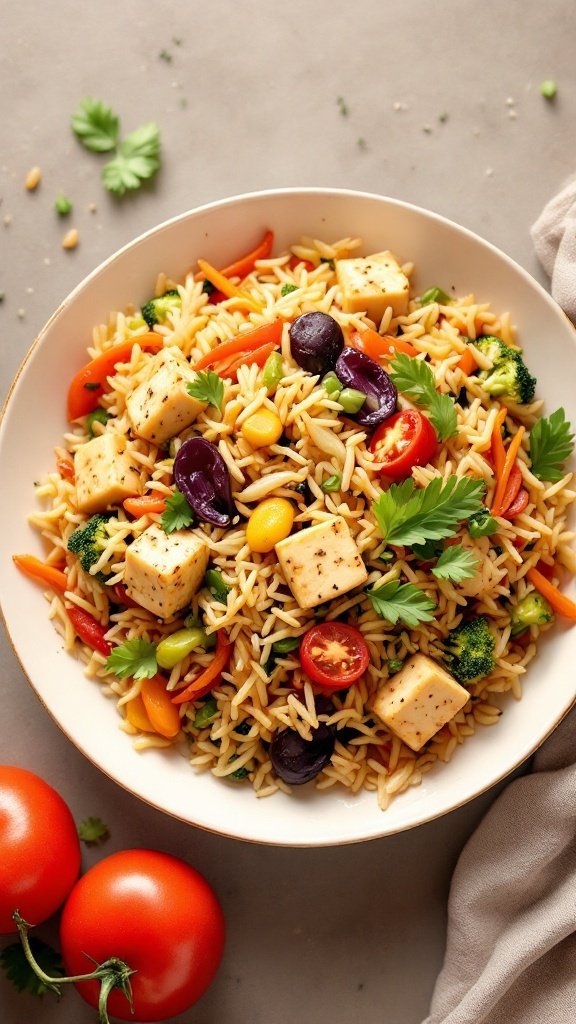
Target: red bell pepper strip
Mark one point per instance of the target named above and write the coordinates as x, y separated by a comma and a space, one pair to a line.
66, 468
248, 359
518, 505
89, 383
41, 572
502, 478
379, 346
512, 487
89, 630
207, 679
245, 264
247, 342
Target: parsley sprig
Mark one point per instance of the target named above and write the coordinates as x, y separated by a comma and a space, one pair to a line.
178, 514
137, 157
135, 658
208, 387
414, 378
551, 443
407, 515
402, 602
456, 563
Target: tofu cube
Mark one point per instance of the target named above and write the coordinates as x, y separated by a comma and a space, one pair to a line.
321, 562
417, 701
371, 283
163, 570
105, 473
160, 407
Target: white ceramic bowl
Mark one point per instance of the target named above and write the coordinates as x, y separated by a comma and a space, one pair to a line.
34, 421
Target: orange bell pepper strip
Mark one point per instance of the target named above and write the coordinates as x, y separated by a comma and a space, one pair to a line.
66, 468
559, 602
206, 681
164, 717
467, 362
497, 444
247, 342
89, 383
258, 357
503, 478
380, 346
223, 285
245, 264
147, 504
136, 714
89, 630
41, 572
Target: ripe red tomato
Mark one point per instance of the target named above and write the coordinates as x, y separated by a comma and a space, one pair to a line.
334, 655
404, 440
158, 915
39, 848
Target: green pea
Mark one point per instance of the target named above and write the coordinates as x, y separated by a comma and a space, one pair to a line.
205, 714
351, 400
395, 664
273, 372
99, 415
331, 384
332, 483
174, 648
213, 580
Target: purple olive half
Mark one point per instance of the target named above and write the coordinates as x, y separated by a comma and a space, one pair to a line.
357, 370
202, 477
316, 341
296, 760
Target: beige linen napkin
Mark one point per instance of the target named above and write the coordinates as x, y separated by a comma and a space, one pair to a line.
554, 238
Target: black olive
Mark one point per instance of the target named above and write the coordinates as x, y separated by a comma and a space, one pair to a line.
316, 341
296, 760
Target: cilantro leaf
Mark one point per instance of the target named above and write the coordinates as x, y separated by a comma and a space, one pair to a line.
551, 443
178, 513
95, 125
93, 831
414, 378
137, 159
136, 658
13, 961
409, 516
402, 602
208, 387
455, 564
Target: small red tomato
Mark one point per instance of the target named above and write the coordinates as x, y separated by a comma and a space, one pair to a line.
334, 655
39, 848
156, 914
403, 441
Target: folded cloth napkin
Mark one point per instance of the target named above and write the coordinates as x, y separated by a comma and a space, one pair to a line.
511, 952
554, 238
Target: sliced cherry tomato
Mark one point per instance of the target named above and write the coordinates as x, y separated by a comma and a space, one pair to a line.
334, 655
404, 440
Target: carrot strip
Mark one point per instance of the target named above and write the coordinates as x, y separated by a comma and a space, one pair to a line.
247, 342
144, 506
513, 447
88, 384
164, 717
559, 602
223, 284
207, 679
467, 362
248, 359
41, 572
245, 264
380, 346
498, 450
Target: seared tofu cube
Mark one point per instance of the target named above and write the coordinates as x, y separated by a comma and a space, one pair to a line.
369, 284
105, 473
321, 562
163, 570
160, 407
417, 701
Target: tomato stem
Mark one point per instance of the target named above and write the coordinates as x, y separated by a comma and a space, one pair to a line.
112, 973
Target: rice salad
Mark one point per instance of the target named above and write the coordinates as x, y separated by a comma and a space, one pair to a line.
307, 525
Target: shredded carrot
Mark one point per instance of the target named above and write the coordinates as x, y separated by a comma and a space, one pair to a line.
145, 505
164, 717
223, 284
559, 602
504, 476
467, 363
498, 450
41, 572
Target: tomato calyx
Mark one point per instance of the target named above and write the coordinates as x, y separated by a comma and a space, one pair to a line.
112, 973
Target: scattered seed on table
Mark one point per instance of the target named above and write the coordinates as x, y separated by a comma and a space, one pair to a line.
71, 239
32, 179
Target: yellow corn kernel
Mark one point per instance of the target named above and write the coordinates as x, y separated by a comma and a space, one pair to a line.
262, 428
270, 522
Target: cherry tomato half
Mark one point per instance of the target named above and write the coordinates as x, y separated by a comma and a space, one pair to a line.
158, 915
39, 848
404, 440
334, 655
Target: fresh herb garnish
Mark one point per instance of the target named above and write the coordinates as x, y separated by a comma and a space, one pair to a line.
407, 515
287, 288
428, 551
455, 564
342, 106
395, 664
93, 831
332, 483
205, 714
96, 125
551, 443
208, 387
13, 961
177, 515
402, 602
414, 378
137, 157
482, 524
135, 658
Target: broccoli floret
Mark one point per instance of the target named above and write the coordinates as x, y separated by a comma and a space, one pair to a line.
532, 610
87, 541
155, 310
509, 376
469, 650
